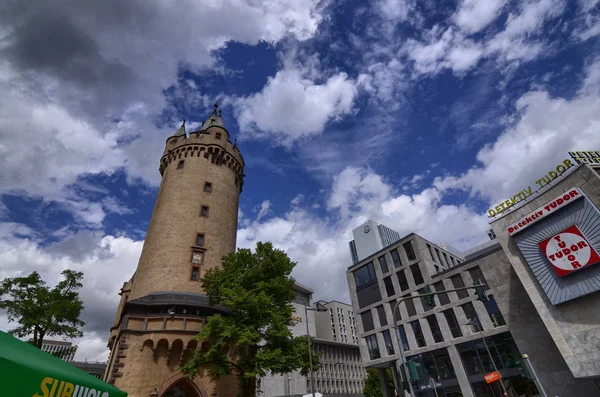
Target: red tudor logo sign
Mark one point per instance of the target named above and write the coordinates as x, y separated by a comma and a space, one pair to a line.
569, 251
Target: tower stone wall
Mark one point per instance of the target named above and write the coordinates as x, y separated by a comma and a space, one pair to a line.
163, 306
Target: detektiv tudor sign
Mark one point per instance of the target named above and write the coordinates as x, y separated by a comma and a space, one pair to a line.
569, 251
542, 212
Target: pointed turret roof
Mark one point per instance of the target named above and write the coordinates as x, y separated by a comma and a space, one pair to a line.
214, 118
181, 130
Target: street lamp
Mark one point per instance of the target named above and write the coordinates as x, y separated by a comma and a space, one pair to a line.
475, 321
402, 357
319, 308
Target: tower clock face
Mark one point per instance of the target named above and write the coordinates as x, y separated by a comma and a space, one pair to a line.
367, 229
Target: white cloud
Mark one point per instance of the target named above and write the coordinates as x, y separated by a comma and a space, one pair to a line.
106, 262
464, 57
292, 107
474, 15
545, 130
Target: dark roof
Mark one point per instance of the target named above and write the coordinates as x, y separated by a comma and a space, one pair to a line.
175, 298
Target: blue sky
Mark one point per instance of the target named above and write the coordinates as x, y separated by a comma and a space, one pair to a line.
417, 114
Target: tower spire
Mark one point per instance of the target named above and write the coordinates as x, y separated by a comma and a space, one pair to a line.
181, 130
214, 119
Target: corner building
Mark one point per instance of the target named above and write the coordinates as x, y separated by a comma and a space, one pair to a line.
163, 306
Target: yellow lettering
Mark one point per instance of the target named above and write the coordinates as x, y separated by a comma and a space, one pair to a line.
567, 163
68, 390
60, 388
552, 174
527, 191
44, 387
53, 388
539, 182
491, 213
508, 204
498, 209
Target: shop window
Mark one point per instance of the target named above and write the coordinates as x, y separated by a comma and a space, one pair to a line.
410, 252
396, 258
494, 312
180, 164
200, 240
383, 264
389, 346
477, 276
458, 282
443, 297
389, 286
195, 273
410, 307
452, 323
416, 273
373, 347
367, 320
204, 211
401, 333
381, 314
207, 187
416, 327
435, 328
402, 280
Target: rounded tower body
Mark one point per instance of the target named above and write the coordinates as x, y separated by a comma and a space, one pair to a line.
194, 222
163, 306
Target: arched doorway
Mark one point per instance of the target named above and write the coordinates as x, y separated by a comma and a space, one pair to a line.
182, 388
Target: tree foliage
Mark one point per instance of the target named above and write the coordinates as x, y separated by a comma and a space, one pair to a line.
253, 338
372, 386
40, 310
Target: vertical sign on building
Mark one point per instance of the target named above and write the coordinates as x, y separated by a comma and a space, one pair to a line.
569, 251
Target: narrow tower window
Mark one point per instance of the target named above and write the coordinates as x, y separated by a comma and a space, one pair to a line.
218, 135
207, 187
180, 164
200, 240
195, 273
204, 211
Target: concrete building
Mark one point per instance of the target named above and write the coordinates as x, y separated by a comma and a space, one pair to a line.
338, 323
538, 305
95, 369
341, 373
64, 350
369, 238
193, 225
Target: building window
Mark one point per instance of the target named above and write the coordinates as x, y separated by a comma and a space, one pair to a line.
207, 187
494, 312
416, 273
218, 135
410, 307
402, 280
458, 282
435, 328
365, 275
452, 323
383, 264
401, 334
452, 259
426, 307
381, 314
204, 211
180, 164
195, 273
174, 141
396, 258
437, 253
389, 286
389, 346
477, 276
446, 259
443, 297
200, 240
430, 252
416, 327
373, 347
410, 252
392, 306
471, 314
367, 320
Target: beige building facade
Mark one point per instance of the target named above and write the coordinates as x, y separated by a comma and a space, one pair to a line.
193, 226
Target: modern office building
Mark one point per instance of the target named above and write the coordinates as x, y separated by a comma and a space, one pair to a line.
369, 238
543, 300
341, 373
63, 350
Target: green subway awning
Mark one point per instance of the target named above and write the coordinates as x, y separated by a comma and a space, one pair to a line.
26, 371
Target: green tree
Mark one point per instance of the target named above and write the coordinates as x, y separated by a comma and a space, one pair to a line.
253, 338
40, 310
372, 386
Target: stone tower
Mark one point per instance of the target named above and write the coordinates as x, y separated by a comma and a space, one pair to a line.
193, 225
